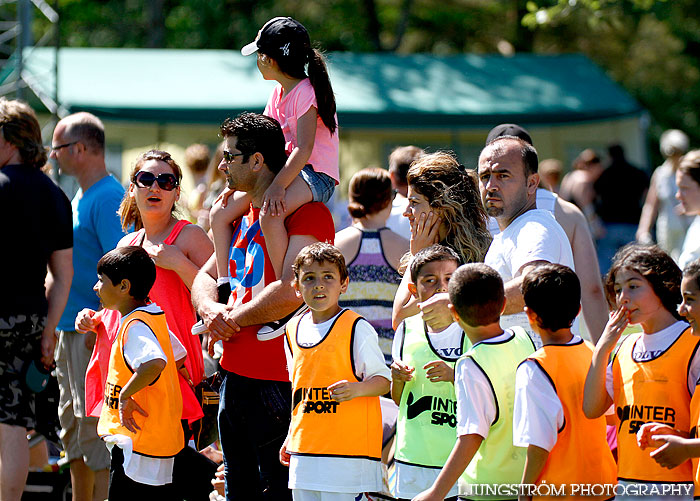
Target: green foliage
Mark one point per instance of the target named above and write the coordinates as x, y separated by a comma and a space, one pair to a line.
651, 47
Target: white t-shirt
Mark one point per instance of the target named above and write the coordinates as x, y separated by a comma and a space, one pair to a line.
397, 222
338, 474
652, 345
544, 199
411, 480
537, 413
691, 244
447, 343
533, 236
476, 403
141, 346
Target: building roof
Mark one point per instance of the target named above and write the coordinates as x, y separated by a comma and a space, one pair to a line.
372, 90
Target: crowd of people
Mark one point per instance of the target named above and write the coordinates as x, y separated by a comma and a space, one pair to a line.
459, 330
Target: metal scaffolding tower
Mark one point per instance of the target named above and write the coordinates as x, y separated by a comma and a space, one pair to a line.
17, 31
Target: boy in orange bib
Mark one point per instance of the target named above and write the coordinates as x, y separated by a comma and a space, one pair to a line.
142, 400
564, 447
338, 373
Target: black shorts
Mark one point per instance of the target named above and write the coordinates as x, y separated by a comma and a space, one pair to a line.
20, 342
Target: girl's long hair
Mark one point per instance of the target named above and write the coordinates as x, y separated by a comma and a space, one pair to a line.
452, 190
318, 76
128, 211
657, 268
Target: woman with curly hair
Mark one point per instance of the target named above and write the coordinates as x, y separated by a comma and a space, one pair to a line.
444, 207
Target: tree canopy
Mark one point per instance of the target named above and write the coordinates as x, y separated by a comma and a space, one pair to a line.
650, 47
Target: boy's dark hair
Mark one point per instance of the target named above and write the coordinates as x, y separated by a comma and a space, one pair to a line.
657, 267
430, 254
477, 294
317, 253
692, 272
132, 263
553, 292
257, 133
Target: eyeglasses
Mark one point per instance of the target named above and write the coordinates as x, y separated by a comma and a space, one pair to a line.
229, 157
56, 148
167, 182
394, 191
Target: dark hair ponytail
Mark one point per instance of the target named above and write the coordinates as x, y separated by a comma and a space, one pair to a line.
318, 76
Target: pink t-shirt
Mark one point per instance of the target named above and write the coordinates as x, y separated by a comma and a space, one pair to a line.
287, 109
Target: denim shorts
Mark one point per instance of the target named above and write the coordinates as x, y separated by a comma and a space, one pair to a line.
322, 185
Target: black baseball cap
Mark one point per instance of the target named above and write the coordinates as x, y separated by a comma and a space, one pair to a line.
280, 37
509, 130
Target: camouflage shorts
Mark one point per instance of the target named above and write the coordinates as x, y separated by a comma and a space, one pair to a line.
20, 342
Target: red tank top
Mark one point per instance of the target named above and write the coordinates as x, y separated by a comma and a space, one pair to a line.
170, 293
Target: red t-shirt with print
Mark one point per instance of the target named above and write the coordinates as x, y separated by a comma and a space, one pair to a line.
250, 271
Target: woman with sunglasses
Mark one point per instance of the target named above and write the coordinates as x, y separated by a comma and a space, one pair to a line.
178, 249
372, 252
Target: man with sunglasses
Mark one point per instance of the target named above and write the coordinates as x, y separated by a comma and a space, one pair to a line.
255, 402
36, 235
78, 146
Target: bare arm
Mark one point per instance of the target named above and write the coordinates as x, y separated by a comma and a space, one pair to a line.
342, 391
274, 198
649, 213
462, 453
215, 315
277, 299
595, 397
405, 305
142, 377
534, 462
593, 303
514, 298
57, 289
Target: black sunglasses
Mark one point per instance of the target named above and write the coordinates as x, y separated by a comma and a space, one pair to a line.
228, 156
167, 182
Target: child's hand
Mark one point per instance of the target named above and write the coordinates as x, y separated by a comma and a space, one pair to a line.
169, 257
647, 430
672, 453
435, 311
218, 481
284, 455
342, 391
87, 320
127, 407
401, 371
424, 231
273, 200
619, 320
438, 370
224, 196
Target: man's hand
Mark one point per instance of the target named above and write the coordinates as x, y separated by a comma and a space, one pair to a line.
219, 321
127, 407
438, 370
48, 345
435, 311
